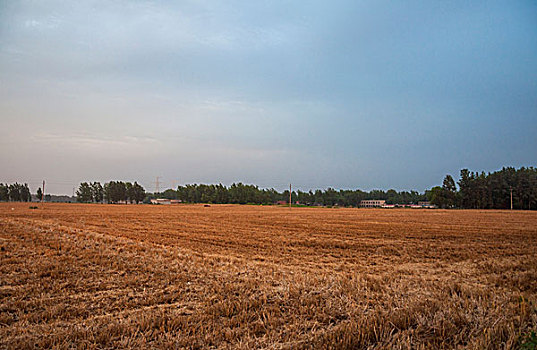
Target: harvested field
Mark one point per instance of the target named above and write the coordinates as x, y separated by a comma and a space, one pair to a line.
189, 276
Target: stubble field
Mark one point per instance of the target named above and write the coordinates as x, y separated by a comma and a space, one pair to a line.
189, 276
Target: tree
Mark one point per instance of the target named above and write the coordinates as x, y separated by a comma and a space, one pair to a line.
138, 193
26, 196
107, 192
84, 193
15, 192
493, 190
129, 193
97, 192
168, 194
115, 191
39, 194
449, 191
436, 196
4, 192
465, 186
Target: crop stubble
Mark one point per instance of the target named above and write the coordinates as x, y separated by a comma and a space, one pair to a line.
188, 276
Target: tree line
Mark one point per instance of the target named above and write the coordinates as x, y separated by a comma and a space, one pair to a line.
239, 193
473, 190
488, 190
15, 192
111, 192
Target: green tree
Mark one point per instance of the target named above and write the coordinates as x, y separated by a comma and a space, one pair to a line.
4, 192
84, 193
26, 196
129, 192
449, 191
138, 193
97, 192
436, 196
18, 193
15, 192
115, 191
39, 194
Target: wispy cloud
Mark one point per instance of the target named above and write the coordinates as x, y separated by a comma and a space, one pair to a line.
344, 93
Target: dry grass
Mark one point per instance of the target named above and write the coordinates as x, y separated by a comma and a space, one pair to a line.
103, 276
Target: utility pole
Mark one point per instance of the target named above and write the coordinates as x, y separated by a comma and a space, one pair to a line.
43, 193
157, 183
289, 196
511, 190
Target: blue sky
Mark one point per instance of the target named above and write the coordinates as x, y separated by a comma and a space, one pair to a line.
347, 94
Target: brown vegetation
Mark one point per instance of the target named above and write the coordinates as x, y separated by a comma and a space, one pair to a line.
103, 276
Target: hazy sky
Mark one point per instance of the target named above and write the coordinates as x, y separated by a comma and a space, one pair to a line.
348, 94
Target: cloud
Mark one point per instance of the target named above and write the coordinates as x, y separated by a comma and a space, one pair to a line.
361, 94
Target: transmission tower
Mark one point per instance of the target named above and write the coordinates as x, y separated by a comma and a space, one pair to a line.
174, 184
157, 185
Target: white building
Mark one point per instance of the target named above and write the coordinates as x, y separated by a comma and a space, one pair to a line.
372, 203
161, 201
165, 201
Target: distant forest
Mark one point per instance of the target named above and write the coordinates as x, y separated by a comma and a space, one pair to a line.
488, 190
496, 190
243, 194
475, 191
111, 192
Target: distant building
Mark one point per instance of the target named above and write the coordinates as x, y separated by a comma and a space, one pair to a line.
281, 202
426, 204
161, 201
372, 203
388, 206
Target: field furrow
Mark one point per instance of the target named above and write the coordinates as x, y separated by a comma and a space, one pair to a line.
188, 276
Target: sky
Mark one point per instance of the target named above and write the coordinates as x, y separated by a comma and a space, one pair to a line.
344, 94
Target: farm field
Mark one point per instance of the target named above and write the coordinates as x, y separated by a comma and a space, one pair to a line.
242, 277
